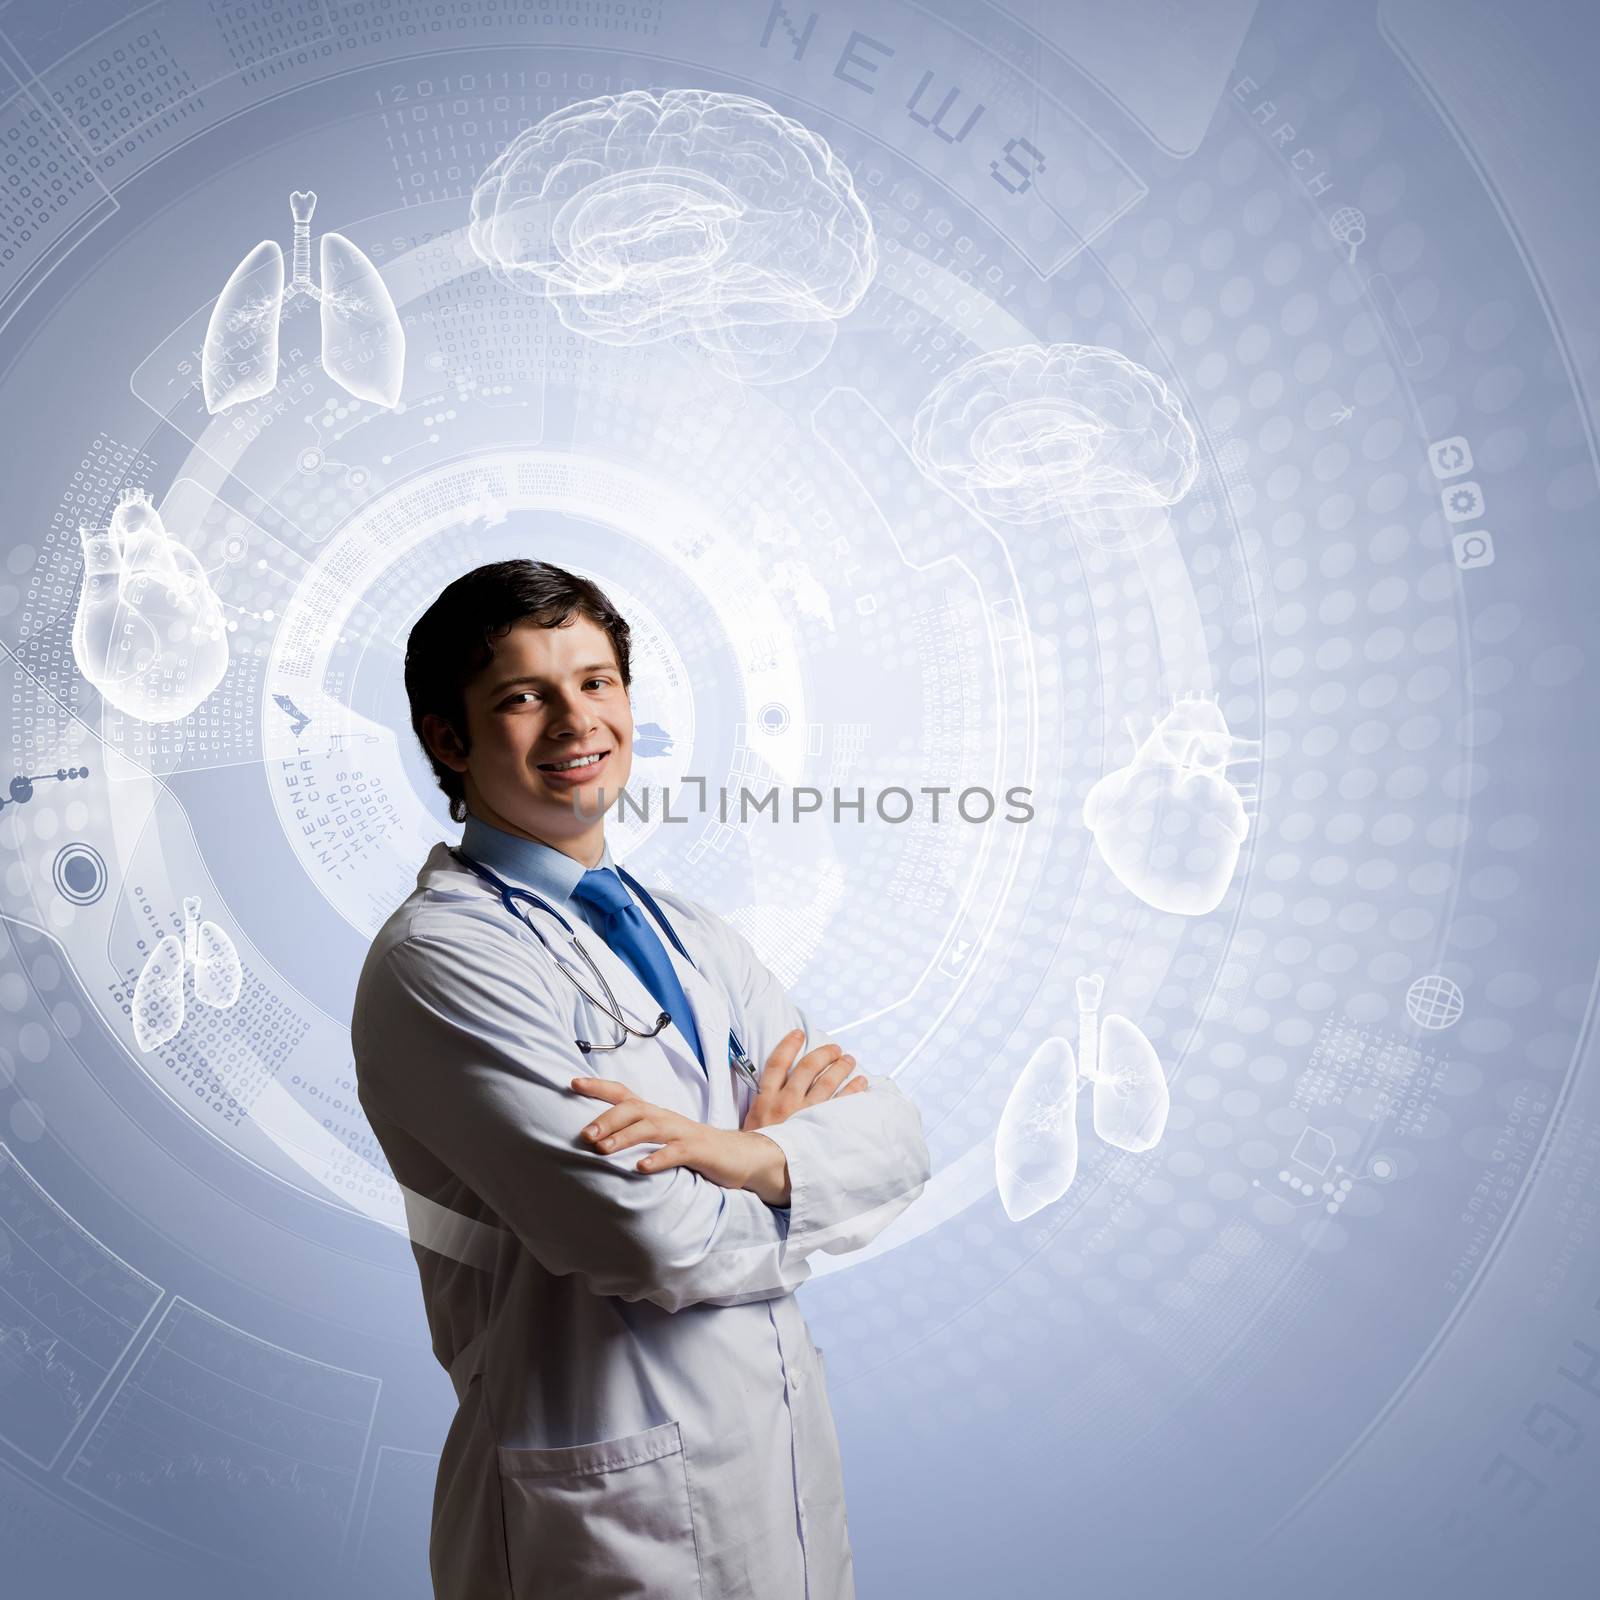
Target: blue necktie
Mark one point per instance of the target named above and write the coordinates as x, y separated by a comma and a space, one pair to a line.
625, 929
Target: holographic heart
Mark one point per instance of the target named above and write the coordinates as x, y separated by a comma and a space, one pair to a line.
149, 633
1170, 823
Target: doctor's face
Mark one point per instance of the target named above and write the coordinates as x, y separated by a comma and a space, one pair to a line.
548, 720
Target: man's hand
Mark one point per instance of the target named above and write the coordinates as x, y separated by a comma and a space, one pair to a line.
733, 1159
743, 1159
787, 1084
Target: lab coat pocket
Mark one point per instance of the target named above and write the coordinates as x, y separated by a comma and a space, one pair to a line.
604, 1519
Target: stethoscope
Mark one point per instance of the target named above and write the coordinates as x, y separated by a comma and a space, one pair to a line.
510, 895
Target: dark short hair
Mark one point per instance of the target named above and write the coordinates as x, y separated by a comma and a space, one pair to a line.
454, 639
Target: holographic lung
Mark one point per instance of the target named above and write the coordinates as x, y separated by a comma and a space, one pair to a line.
1036, 1144
643, 217
363, 342
1170, 823
1039, 433
239, 361
1036, 1147
158, 995
1131, 1098
149, 633
207, 951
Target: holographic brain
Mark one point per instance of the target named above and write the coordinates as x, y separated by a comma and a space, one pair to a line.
1038, 433
693, 213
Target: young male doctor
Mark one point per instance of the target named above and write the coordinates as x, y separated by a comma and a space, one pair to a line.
641, 1408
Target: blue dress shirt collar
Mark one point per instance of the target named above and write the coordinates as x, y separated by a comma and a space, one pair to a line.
539, 867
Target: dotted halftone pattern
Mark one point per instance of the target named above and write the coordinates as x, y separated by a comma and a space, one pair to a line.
1331, 608
1330, 612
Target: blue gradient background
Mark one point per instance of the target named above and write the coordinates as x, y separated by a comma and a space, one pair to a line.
214, 1372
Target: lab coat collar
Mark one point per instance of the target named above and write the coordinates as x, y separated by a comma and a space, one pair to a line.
442, 874
528, 863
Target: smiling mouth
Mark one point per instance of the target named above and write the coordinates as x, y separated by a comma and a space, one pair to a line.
574, 763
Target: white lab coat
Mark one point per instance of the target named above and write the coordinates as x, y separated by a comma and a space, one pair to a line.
642, 1409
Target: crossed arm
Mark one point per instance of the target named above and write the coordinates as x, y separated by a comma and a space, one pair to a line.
743, 1158
454, 1051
